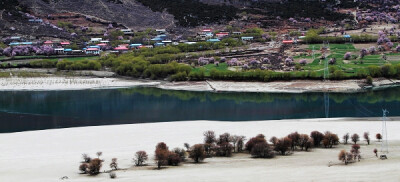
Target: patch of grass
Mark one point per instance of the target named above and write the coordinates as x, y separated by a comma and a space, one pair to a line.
209, 67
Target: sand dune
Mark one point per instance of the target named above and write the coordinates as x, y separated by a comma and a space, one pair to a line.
50, 154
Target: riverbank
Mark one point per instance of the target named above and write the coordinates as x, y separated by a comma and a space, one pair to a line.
48, 155
87, 82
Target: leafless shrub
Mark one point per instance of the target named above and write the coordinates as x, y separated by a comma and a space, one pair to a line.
161, 154
260, 138
366, 137
114, 164
83, 168
355, 138
140, 158
86, 158
187, 146
317, 137
181, 153
283, 145
197, 153
303, 139
295, 137
346, 138
378, 137
262, 150
173, 159
95, 166
273, 140
330, 139
99, 154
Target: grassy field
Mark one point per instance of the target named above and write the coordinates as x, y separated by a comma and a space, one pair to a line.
209, 67
350, 67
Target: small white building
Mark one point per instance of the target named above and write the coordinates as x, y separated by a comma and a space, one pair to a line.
94, 40
161, 31
127, 31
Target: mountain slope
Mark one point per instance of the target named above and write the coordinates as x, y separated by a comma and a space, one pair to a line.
128, 12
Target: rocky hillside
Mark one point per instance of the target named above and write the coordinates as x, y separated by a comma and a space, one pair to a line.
127, 12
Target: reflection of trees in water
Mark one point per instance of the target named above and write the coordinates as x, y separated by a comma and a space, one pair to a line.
370, 97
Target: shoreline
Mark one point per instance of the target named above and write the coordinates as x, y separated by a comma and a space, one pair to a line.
58, 151
53, 83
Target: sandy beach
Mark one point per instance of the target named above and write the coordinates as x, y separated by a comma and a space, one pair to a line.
296, 86
49, 155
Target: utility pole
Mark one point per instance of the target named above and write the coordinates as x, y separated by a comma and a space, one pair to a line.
384, 144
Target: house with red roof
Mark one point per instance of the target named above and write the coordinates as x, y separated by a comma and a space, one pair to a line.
93, 51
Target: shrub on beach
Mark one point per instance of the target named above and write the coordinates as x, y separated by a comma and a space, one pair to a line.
83, 168
197, 153
295, 137
95, 166
330, 139
346, 138
260, 138
355, 138
262, 150
282, 146
161, 154
114, 164
378, 137
140, 158
173, 159
209, 142
273, 140
366, 137
317, 137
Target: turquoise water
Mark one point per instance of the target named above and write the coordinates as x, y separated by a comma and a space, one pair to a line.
37, 110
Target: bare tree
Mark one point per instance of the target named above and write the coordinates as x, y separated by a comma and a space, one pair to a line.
366, 137
83, 168
283, 145
161, 154
355, 138
99, 154
317, 137
303, 139
260, 138
86, 158
114, 164
209, 142
262, 150
273, 140
295, 137
140, 158
197, 153
95, 166
187, 146
240, 143
309, 144
378, 137
346, 138
330, 139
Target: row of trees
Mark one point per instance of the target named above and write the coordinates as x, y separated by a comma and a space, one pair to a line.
226, 144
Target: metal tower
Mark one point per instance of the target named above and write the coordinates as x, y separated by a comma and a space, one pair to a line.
384, 144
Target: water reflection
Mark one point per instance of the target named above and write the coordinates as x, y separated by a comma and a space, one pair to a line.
21, 111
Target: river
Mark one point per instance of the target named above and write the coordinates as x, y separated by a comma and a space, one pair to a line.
38, 110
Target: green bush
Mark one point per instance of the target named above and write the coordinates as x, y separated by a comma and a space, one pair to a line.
369, 80
43, 64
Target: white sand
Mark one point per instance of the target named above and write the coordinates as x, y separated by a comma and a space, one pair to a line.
296, 86
67, 83
50, 154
